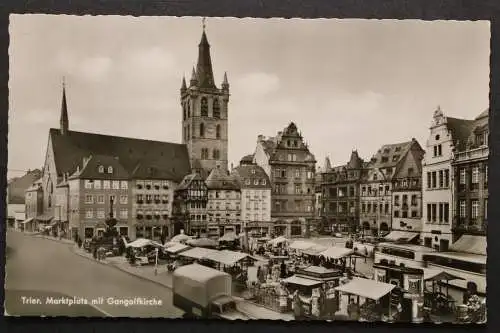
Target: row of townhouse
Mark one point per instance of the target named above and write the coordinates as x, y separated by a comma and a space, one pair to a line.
432, 196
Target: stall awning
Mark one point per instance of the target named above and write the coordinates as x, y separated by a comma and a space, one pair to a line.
432, 274
470, 244
335, 252
228, 237
141, 242
176, 248
226, 257
401, 236
366, 288
44, 217
27, 220
278, 240
302, 281
315, 250
198, 253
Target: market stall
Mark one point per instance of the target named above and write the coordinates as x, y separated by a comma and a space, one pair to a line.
180, 238
278, 241
202, 242
142, 251
198, 254
234, 263
435, 301
229, 240
372, 292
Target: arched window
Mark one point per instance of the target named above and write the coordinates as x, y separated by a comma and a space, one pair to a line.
217, 131
101, 169
202, 130
110, 169
216, 154
216, 108
184, 112
189, 109
204, 107
204, 153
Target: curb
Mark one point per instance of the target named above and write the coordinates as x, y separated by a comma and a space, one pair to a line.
108, 264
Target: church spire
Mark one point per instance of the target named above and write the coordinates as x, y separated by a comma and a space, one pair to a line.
64, 122
204, 67
194, 78
225, 83
183, 85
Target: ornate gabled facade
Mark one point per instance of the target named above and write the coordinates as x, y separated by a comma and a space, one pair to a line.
205, 115
290, 165
376, 195
190, 206
446, 135
470, 167
340, 195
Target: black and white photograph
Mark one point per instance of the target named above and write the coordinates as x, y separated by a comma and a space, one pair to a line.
248, 168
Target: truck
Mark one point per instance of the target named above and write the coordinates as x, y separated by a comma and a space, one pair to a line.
203, 292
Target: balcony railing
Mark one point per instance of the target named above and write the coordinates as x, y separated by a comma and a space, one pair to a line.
476, 153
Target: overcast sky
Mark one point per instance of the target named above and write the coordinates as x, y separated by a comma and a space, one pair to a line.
347, 84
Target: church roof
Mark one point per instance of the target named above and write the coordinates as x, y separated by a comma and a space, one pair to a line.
134, 155
204, 71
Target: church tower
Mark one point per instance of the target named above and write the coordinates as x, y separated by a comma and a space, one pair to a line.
205, 114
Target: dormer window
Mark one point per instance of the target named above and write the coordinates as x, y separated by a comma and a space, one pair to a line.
375, 176
398, 149
247, 181
110, 169
385, 159
436, 137
101, 169
253, 171
395, 158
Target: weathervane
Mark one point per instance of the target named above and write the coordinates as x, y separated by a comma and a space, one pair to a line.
64, 81
204, 23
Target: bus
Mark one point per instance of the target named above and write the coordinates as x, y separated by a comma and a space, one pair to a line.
406, 255
470, 267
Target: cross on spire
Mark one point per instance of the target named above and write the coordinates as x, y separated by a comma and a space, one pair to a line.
204, 19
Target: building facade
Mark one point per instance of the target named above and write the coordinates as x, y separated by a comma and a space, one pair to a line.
205, 115
376, 197
255, 198
290, 165
33, 205
190, 206
470, 167
340, 195
224, 203
407, 192
446, 135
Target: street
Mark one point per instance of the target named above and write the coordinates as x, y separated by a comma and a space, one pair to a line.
44, 276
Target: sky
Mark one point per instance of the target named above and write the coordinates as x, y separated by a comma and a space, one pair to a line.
347, 84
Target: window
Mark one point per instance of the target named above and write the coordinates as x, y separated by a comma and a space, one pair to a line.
375, 176
124, 184
216, 108
435, 151
204, 153
441, 180
148, 198
310, 175
462, 176
446, 212
116, 185
446, 178
429, 213
100, 199
216, 154
387, 208
97, 184
106, 184
486, 174
256, 182
441, 207
164, 199
157, 198
110, 169
363, 207
434, 212
405, 214
204, 107
123, 199
429, 184
414, 200
396, 213
434, 179
123, 213
217, 131
297, 173
475, 209
164, 184
363, 191
410, 171
462, 208
140, 198
89, 199
88, 184
101, 169
89, 213
485, 209
396, 200
100, 213
148, 185
437, 137
440, 152
475, 175
202, 130
140, 185
414, 213
298, 190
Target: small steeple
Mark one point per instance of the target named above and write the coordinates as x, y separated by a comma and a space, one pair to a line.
194, 78
183, 85
225, 83
204, 66
328, 165
64, 122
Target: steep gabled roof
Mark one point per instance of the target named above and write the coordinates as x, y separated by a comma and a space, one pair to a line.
460, 130
389, 155
252, 172
188, 180
219, 179
90, 168
71, 149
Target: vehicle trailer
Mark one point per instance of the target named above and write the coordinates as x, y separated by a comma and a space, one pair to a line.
203, 292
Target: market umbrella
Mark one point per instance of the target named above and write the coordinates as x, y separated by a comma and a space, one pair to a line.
202, 242
228, 237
